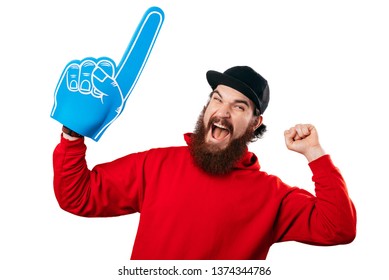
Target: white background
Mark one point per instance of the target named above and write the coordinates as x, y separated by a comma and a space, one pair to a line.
327, 63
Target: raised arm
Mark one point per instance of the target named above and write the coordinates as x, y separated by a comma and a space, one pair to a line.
109, 189
329, 216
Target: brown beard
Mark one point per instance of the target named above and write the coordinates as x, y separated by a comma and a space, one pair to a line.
217, 161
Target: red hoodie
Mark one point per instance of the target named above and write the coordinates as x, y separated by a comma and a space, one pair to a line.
189, 214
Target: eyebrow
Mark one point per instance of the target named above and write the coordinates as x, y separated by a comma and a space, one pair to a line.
235, 101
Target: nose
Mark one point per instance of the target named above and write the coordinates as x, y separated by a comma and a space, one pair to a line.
224, 111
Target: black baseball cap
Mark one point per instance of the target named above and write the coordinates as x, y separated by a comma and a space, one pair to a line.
245, 80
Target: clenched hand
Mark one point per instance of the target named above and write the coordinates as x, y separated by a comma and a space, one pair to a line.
304, 139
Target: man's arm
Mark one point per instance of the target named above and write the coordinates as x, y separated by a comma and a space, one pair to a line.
109, 189
329, 218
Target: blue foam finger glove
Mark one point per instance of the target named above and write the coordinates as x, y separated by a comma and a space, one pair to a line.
91, 93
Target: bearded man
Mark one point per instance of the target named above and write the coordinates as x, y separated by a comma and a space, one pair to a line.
209, 199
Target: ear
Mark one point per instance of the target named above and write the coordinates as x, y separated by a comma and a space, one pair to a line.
257, 122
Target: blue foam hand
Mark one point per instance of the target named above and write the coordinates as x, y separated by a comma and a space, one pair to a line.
91, 93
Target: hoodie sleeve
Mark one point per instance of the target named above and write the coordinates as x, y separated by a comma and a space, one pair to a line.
109, 189
329, 218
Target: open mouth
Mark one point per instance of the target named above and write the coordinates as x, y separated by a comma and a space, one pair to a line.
219, 131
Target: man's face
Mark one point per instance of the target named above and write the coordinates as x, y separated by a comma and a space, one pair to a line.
223, 130
227, 117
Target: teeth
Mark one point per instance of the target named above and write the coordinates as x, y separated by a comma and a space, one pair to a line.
220, 126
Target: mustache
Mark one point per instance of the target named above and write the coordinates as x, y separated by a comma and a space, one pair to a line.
220, 121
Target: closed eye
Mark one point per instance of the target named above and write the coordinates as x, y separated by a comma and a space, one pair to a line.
217, 99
